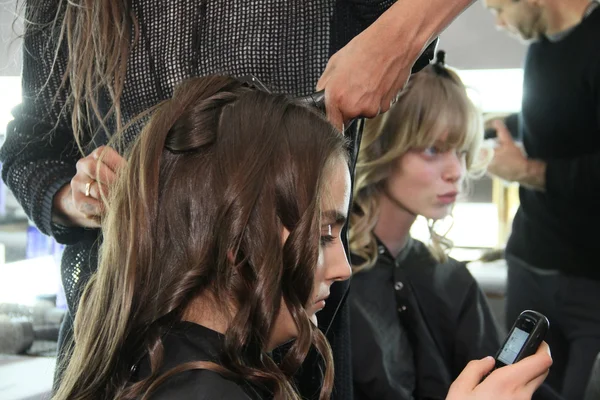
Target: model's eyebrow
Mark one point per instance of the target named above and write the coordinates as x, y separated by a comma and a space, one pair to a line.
333, 217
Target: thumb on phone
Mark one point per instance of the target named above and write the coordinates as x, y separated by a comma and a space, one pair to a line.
532, 370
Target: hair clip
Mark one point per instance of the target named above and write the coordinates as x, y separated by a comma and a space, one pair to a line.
439, 66
253, 82
440, 58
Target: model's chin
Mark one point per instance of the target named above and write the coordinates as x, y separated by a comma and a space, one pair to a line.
314, 320
440, 212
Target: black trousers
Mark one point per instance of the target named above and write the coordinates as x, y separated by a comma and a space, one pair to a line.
572, 305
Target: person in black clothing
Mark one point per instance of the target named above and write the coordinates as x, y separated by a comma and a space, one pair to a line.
552, 253
417, 316
221, 243
91, 67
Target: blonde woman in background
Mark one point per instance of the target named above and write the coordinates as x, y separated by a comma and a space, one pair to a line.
417, 316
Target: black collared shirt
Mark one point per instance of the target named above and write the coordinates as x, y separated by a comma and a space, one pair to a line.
382, 356
415, 324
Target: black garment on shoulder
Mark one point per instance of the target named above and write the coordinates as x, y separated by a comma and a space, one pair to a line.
187, 342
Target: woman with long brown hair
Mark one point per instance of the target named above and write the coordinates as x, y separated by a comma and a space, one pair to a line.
92, 66
221, 242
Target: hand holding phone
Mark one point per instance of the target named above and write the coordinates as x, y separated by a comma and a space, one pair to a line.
513, 382
524, 338
512, 374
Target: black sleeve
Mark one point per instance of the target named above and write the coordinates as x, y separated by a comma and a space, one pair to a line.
513, 124
575, 179
39, 154
578, 179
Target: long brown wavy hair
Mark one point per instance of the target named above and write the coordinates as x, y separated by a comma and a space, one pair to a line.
211, 182
98, 36
434, 101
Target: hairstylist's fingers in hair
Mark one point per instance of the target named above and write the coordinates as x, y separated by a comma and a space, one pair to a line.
350, 102
92, 169
85, 192
502, 133
470, 377
346, 97
88, 206
98, 190
110, 157
363, 77
334, 115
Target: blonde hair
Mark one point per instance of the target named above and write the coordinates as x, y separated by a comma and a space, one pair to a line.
434, 102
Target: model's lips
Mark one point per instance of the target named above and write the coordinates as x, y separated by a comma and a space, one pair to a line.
448, 198
319, 305
320, 302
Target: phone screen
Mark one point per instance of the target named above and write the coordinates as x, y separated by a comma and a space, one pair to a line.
513, 346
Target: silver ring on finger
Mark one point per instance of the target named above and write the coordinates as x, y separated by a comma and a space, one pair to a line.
88, 187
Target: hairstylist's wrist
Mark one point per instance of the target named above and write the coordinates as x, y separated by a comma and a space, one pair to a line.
535, 175
60, 206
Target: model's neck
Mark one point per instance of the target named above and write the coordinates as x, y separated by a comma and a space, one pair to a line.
564, 15
212, 317
393, 224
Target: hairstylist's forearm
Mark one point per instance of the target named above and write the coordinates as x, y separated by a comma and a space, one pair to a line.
420, 20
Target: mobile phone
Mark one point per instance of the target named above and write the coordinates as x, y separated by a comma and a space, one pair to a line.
524, 338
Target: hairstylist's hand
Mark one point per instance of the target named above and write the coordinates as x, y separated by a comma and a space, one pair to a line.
365, 76
509, 162
80, 203
513, 382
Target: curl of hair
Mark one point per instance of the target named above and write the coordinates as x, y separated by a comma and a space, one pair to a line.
210, 184
432, 104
